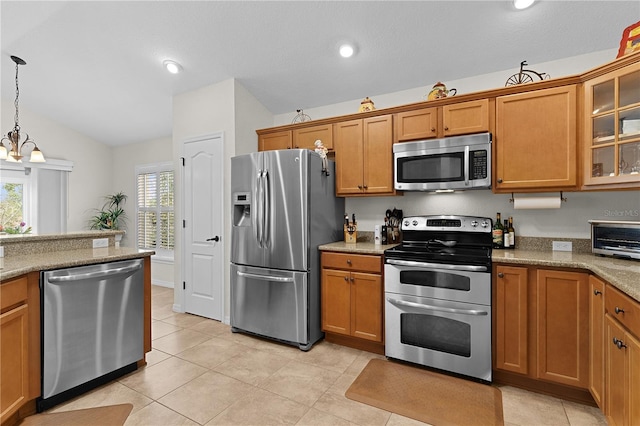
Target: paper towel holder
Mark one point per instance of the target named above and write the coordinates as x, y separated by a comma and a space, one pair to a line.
561, 198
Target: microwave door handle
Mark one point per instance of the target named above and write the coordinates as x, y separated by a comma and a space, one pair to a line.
474, 312
466, 165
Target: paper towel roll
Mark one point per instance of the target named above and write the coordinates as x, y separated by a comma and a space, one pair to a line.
537, 203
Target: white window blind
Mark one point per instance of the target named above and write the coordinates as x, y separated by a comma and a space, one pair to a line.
154, 213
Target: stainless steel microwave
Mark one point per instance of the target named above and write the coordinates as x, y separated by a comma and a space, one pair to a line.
459, 162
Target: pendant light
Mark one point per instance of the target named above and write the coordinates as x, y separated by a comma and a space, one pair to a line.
13, 137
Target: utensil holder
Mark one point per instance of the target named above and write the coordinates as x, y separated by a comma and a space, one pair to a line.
350, 233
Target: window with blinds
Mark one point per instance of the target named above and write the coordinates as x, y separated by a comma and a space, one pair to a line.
155, 215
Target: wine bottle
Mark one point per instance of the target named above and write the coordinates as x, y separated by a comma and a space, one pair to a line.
506, 237
497, 232
512, 234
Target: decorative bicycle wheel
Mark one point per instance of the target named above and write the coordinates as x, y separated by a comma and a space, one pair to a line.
519, 78
301, 117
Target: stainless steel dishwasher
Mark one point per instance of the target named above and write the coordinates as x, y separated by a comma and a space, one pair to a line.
92, 327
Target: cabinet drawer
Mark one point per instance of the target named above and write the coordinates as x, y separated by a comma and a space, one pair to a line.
13, 292
352, 262
628, 310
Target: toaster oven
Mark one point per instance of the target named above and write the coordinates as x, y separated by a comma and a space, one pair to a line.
615, 238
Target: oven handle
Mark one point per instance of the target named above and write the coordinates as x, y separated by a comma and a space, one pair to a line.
437, 308
472, 268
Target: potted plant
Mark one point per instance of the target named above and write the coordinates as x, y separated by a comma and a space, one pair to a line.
112, 215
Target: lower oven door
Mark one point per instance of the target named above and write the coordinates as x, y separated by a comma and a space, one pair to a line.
451, 336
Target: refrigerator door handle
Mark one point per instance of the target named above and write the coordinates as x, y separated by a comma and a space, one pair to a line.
260, 209
266, 230
265, 277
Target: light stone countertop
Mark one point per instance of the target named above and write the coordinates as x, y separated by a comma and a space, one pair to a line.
621, 273
11, 267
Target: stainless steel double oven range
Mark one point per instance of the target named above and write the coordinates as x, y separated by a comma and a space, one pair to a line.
438, 295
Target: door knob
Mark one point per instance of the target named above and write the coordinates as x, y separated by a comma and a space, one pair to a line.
216, 239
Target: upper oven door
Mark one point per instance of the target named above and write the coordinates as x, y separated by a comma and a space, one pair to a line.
462, 162
462, 283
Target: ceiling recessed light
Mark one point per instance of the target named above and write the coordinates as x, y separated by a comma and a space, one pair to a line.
346, 50
522, 4
172, 66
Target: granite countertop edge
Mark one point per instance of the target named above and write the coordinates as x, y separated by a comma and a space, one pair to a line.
623, 274
15, 266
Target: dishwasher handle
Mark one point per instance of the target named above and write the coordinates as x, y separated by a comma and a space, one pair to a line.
96, 274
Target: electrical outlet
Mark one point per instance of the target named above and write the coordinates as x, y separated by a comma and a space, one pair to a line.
562, 246
100, 242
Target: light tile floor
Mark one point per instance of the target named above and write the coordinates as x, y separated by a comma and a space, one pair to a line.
199, 373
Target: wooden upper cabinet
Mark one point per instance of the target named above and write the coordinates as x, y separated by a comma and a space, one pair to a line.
364, 156
448, 120
562, 313
307, 137
416, 124
465, 118
276, 140
536, 141
612, 130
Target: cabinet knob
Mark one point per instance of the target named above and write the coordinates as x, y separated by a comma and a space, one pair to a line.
359, 186
446, 127
297, 147
348, 261
352, 280
499, 180
366, 187
597, 292
500, 275
346, 278
619, 311
433, 129
619, 343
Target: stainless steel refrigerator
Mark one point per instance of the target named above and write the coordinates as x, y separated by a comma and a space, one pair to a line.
284, 206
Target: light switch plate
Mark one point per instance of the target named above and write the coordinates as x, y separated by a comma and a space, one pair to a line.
562, 246
100, 242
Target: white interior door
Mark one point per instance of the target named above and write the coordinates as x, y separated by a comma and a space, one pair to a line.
203, 227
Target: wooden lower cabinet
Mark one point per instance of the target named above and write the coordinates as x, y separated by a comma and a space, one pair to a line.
19, 346
622, 358
562, 308
540, 326
352, 299
596, 340
510, 314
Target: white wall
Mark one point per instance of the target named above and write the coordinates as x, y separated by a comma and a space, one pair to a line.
569, 221
125, 160
90, 179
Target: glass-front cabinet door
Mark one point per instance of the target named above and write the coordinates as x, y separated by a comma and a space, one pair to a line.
612, 128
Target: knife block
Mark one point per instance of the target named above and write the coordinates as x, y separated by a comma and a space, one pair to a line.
350, 233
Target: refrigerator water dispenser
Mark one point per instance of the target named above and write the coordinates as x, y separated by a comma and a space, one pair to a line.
242, 209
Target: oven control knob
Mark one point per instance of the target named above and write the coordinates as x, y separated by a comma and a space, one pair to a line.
484, 224
415, 223
406, 223
474, 223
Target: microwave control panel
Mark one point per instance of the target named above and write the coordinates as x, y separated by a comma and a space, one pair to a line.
478, 164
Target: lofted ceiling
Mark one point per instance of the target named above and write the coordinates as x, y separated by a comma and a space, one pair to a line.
96, 66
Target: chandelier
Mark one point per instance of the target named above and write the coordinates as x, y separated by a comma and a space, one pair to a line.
14, 137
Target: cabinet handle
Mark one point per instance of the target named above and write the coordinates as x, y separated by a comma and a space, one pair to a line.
433, 129
619, 343
346, 279
619, 311
366, 187
597, 292
446, 127
359, 186
352, 280
348, 261
499, 180
500, 275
